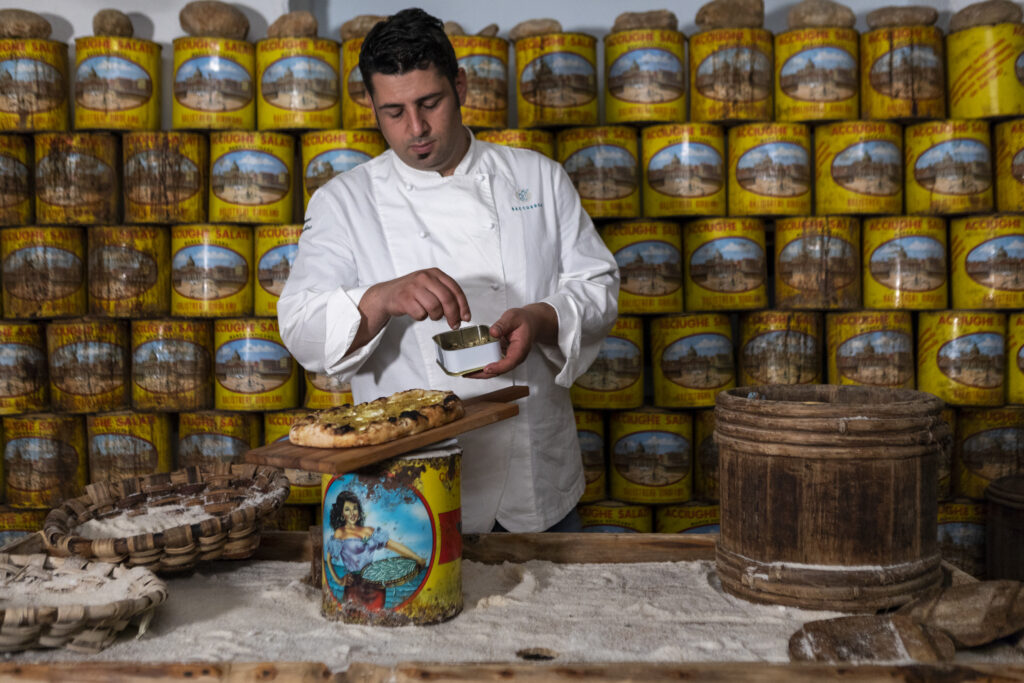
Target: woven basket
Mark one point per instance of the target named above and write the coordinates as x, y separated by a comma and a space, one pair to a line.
224, 491
57, 620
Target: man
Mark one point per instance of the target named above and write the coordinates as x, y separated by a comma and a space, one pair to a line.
441, 230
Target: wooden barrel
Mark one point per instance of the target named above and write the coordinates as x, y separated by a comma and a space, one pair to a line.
1004, 540
828, 494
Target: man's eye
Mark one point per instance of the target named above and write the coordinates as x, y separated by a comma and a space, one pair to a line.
431, 104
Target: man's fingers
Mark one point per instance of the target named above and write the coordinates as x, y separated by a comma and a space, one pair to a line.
447, 293
461, 302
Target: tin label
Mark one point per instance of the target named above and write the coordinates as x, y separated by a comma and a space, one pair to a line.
590, 433
207, 437
213, 84
15, 188
988, 262
540, 141
88, 365
961, 357
615, 379
165, 177
129, 271
251, 177
356, 111
905, 262
23, 368
651, 456
816, 74
392, 543
485, 60
616, 518
15, 524
817, 264
128, 445
650, 267
44, 460
556, 77
326, 391
990, 445
644, 75
1015, 359
1010, 164
694, 357
901, 73
33, 85
276, 248
726, 268
117, 83
871, 348
43, 272
76, 180
985, 69
961, 529
684, 170
298, 83
171, 364
692, 518
602, 164
253, 369
948, 167
211, 271
858, 168
326, 154
731, 75
779, 347
769, 169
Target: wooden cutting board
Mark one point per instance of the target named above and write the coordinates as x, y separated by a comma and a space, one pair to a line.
480, 411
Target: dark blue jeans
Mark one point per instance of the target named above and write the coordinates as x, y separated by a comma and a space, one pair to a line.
571, 523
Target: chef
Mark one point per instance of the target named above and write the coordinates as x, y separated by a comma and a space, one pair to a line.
444, 230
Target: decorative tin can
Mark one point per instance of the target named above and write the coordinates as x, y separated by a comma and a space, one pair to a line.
693, 359
644, 74
251, 177
117, 83
305, 486
684, 170
556, 80
326, 391
694, 517
986, 71
485, 59
816, 75
612, 516
987, 261
297, 83
948, 167
901, 73
44, 459
731, 75
43, 272
705, 461
129, 271
858, 167
602, 164
875, 348
817, 262
1015, 359
254, 370
325, 154
126, 444
904, 260
356, 110
780, 347
76, 178
962, 535
392, 547
540, 141
16, 524
165, 177
990, 445
211, 270
23, 368
725, 264
213, 84
1009, 165
650, 271
89, 365
34, 95
16, 205
276, 247
615, 380
946, 457
171, 364
590, 433
208, 437
650, 455
961, 356
770, 169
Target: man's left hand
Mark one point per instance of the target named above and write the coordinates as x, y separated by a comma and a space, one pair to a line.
518, 329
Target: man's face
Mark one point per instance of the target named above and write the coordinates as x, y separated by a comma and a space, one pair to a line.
419, 116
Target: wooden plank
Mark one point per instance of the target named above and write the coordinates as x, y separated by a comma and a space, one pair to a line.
480, 412
750, 672
588, 548
197, 672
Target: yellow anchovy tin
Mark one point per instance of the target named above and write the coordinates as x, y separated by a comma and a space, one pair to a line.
43, 272
297, 83
165, 177
644, 72
770, 169
117, 83
251, 177
44, 459
988, 447
540, 141
34, 95
275, 250
961, 526
356, 110
731, 75
556, 80
485, 60
1010, 165
602, 162
16, 205
129, 271
15, 524
817, 263
650, 267
89, 365
612, 516
692, 358
705, 457
961, 356
25, 377
590, 434
948, 168
904, 259
253, 369
683, 170
1015, 359
615, 380
987, 261
780, 347
76, 179
126, 444
326, 391
327, 153
172, 366
650, 454
816, 75
986, 71
901, 73
213, 84
305, 486
873, 348
725, 264
695, 517
211, 271
208, 437
858, 168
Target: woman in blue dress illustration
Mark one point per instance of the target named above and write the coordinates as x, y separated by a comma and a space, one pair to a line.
354, 545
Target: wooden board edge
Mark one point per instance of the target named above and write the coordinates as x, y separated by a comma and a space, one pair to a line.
145, 672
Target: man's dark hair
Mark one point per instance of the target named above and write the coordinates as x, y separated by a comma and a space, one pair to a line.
411, 39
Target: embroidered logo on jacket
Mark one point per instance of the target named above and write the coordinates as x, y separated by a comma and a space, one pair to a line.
523, 195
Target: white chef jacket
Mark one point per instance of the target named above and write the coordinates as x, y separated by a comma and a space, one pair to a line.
507, 225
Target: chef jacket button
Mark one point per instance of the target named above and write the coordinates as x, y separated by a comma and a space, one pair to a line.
495, 286
481, 177
423, 233
408, 186
492, 226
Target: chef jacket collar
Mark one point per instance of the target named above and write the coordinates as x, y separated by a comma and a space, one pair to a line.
420, 178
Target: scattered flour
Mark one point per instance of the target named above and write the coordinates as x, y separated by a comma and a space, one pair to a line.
652, 612
144, 521
38, 588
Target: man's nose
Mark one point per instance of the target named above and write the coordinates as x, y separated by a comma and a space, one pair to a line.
419, 125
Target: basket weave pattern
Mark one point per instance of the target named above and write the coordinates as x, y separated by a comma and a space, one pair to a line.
232, 533
82, 628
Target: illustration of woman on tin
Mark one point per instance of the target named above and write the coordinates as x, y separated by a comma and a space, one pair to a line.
355, 545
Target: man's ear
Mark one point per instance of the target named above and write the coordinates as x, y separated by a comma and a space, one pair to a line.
461, 86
